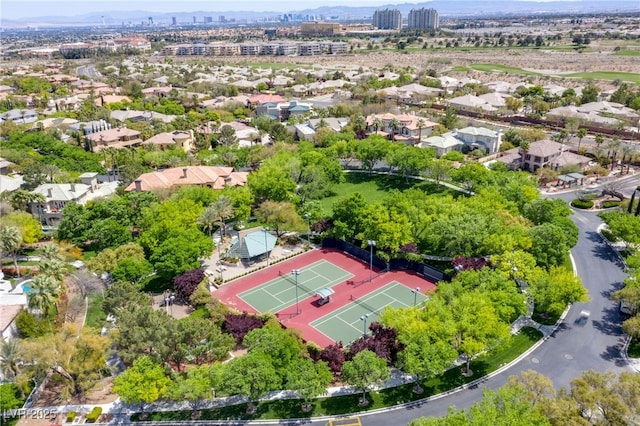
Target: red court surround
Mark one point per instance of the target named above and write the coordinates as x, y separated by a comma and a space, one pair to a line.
344, 291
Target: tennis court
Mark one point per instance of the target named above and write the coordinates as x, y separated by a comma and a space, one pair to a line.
345, 325
279, 293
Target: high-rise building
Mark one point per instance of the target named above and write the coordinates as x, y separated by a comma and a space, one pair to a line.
174, 21
222, 19
150, 21
387, 19
424, 19
208, 19
194, 19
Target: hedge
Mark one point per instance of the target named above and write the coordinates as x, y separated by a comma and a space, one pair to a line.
582, 204
94, 414
610, 203
71, 416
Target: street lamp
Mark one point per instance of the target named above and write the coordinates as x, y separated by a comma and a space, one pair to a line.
308, 217
415, 292
372, 244
266, 247
364, 325
295, 273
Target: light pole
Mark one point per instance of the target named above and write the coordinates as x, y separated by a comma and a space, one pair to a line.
364, 324
266, 247
415, 292
308, 217
295, 273
372, 244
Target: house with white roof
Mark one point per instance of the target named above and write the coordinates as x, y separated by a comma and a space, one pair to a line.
472, 103
411, 127
19, 116
58, 195
469, 138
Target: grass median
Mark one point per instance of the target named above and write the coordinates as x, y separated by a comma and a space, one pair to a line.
340, 405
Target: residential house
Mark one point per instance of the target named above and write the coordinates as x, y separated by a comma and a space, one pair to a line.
480, 137
181, 139
248, 135
58, 195
149, 116
410, 130
472, 103
116, 138
602, 112
214, 177
19, 116
5, 166
442, 144
410, 93
284, 110
158, 91
543, 153
260, 99
110, 99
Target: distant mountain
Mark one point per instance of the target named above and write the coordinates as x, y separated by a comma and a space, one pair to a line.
452, 8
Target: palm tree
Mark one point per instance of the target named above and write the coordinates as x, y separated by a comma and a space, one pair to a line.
359, 125
582, 132
208, 219
394, 125
44, 293
613, 146
223, 210
10, 242
377, 123
627, 154
421, 124
524, 148
10, 358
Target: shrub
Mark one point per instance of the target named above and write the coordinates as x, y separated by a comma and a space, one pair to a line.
610, 203
71, 416
582, 203
94, 414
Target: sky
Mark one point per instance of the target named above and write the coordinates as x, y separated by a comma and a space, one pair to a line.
14, 9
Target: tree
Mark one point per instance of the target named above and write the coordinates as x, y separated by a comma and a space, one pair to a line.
143, 383
45, 292
364, 371
582, 132
251, 375
550, 245
197, 385
10, 397
310, 379
10, 358
371, 150
513, 104
425, 358
276, 343
348, 216
227, 136
10, 241
281, 216
589, 93
449, 119
553, 291
132, 269
121, 296
222, 210
271, 182
179, 252
394, 126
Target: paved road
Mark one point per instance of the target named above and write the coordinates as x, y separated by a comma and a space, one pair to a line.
574, 348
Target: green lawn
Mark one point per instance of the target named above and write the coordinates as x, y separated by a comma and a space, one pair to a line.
288, 409
501, 68
607, 75
633, 351
96, 317
372, 188
627, 53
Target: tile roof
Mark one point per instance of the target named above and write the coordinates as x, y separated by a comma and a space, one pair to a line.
215, 177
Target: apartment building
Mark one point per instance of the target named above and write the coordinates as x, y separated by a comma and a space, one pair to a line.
423, 19
387, 19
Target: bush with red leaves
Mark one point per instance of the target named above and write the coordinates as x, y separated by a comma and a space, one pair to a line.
187, 283
238, 325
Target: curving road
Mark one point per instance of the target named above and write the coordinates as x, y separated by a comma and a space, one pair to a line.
574, 347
